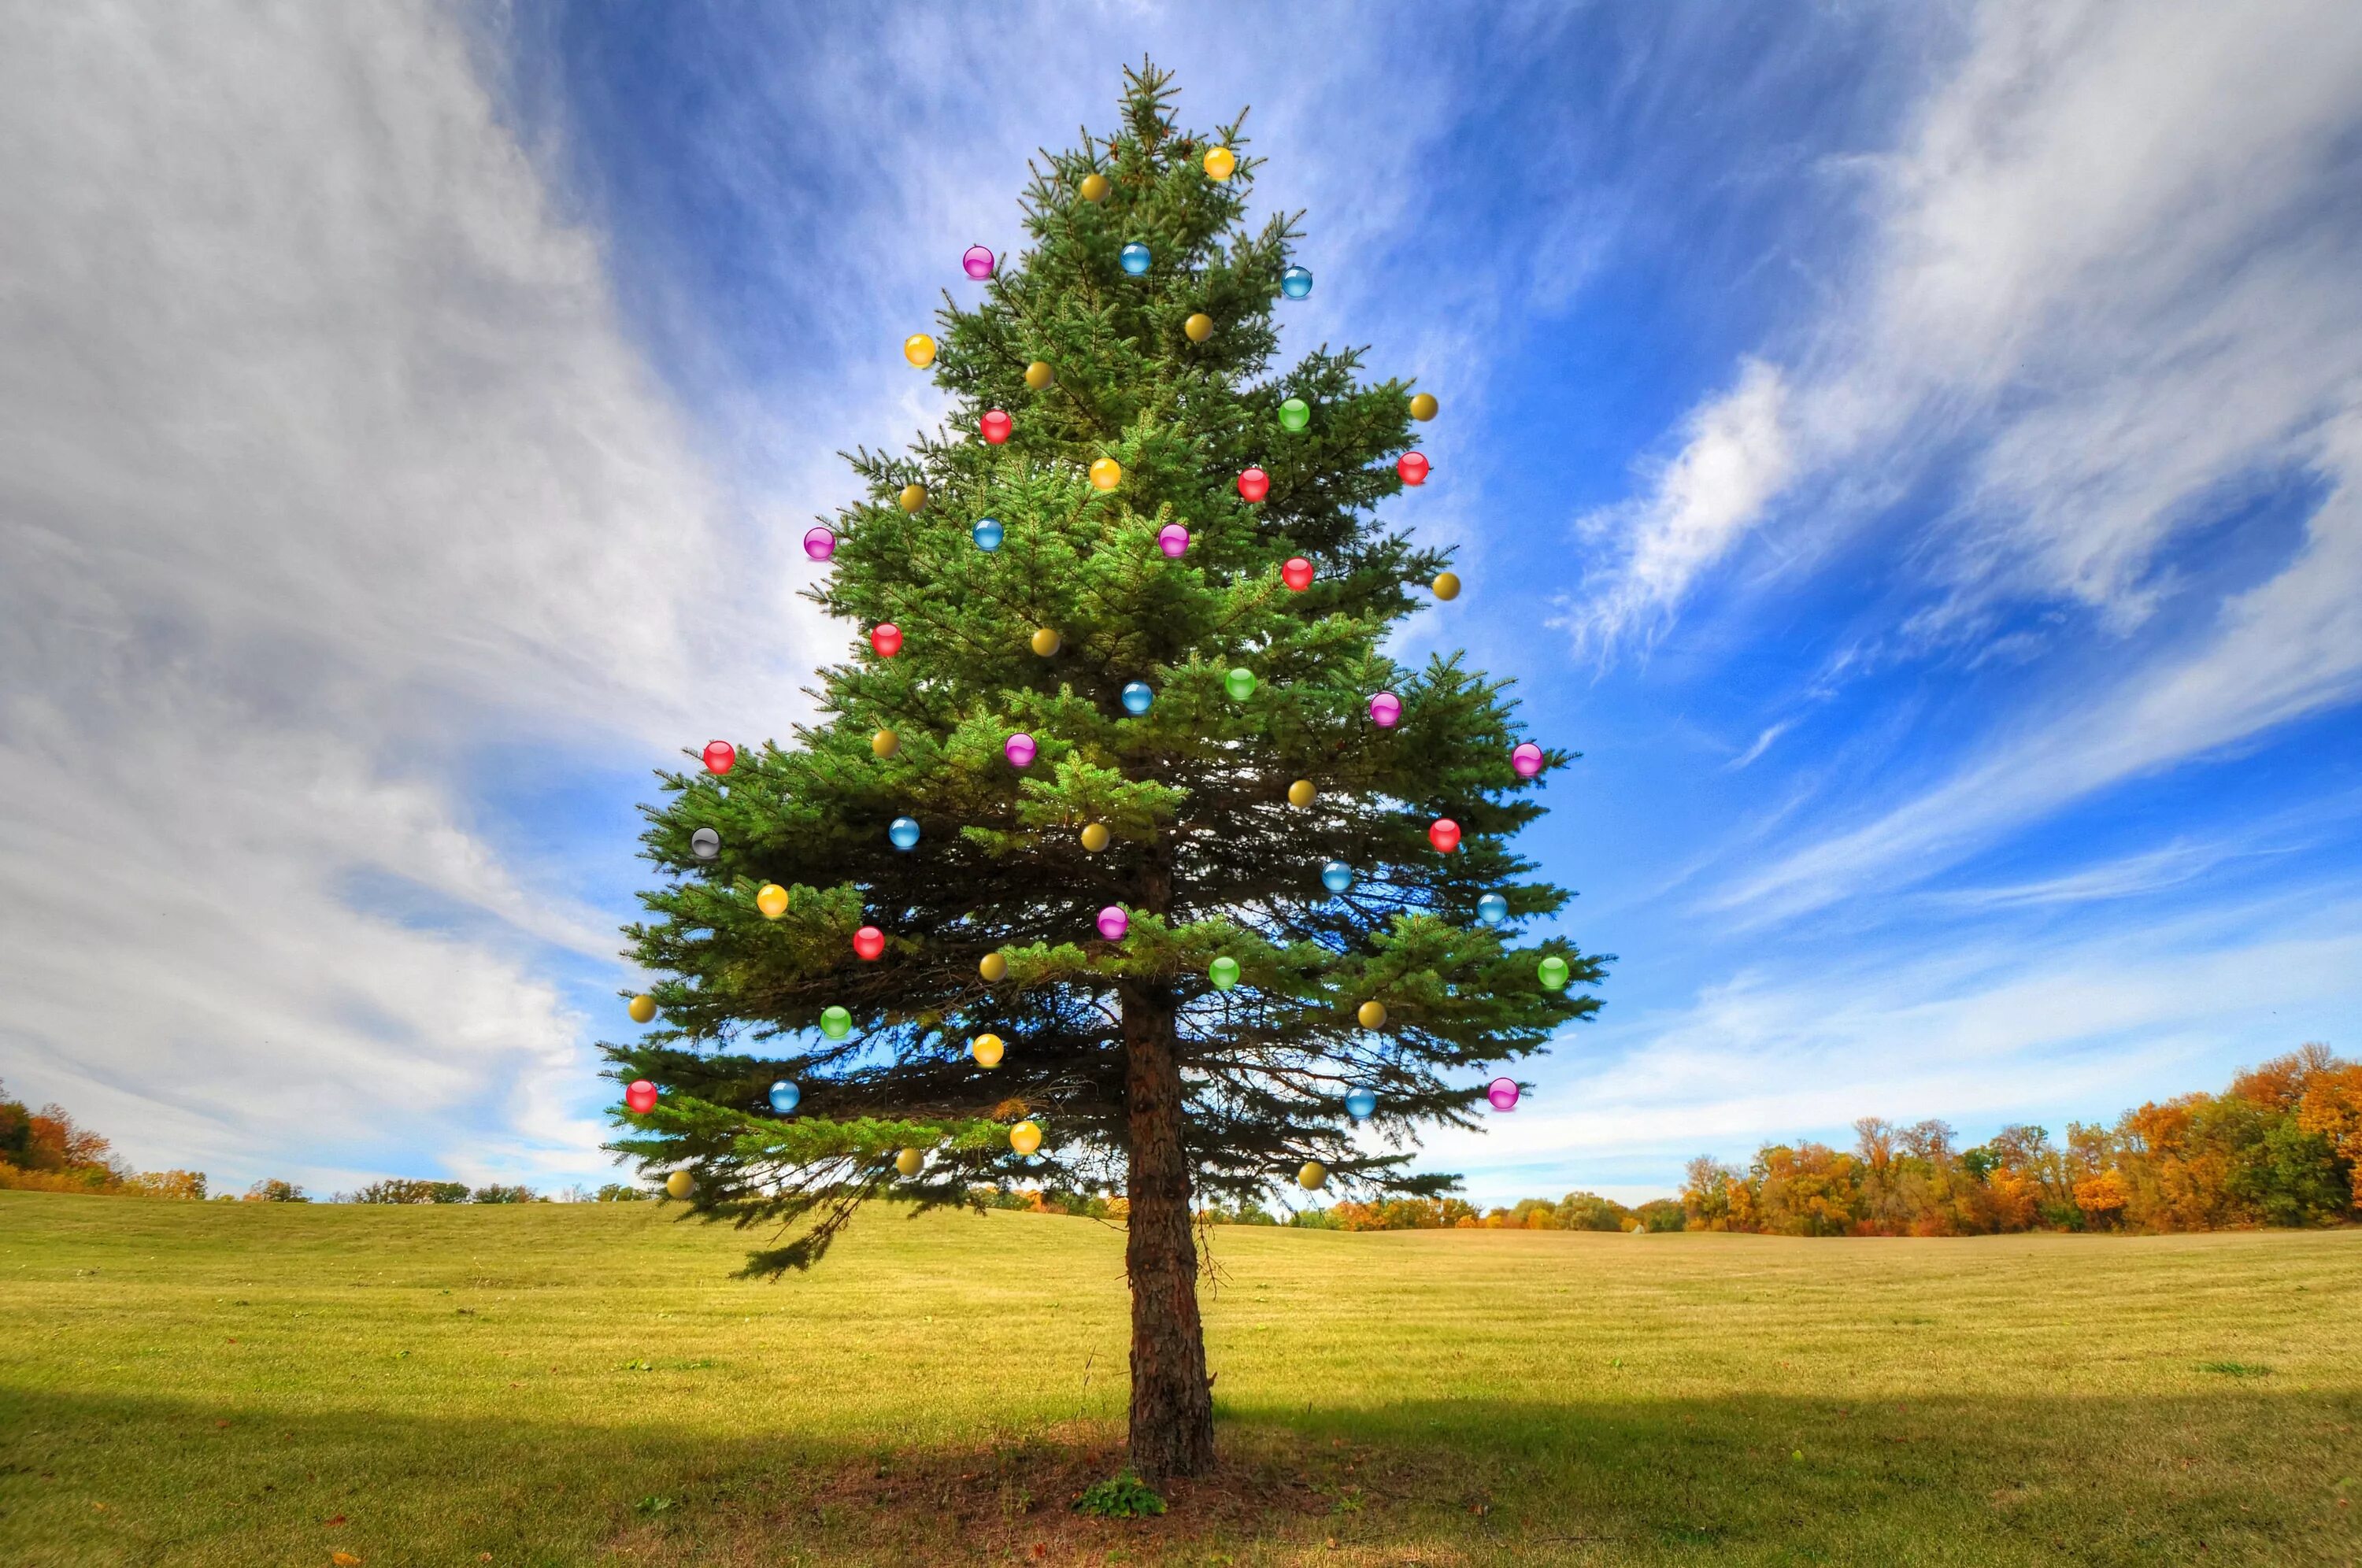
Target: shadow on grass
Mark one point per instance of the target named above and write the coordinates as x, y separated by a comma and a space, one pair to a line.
2242, 1476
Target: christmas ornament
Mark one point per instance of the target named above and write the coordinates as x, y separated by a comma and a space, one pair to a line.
1025, 1137
988, 533
785, 1096
1413, 467
1503, 1093
986, 1049
1492, 909
680, 1183
1221, 162
1335, 876
1020, 750
1446, 585
1301, 792
1094, 187
1224, 972
1038, 375
1137, 697
1173, 539
911, 497
835, 1022
869, 943
919, 349
994, 967
1096, 836
1313, 1176
705, 844
1444, 834
1359, 1103
887, 639
910, 1161
1527, 759
1553, 973
1107, 473
772, 900
1385, 710
1423, 405
1134, 258
1296, 282
1114, 922
1240, 683
1045, 642
1198, 327
1296, 573
1372, 1015
641, 1097
1254, 484
641, 1008
1295, 415
976, 262
903, 832
720, 755
884, 743
994, 426
819, 543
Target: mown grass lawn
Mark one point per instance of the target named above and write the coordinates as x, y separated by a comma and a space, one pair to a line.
185, 1384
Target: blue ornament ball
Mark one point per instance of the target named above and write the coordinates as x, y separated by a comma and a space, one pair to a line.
784, 1096
1359, 1103
1135, 260
1137, 697
1335, 876
988, 532
904, 832
1492, 909
1296, 282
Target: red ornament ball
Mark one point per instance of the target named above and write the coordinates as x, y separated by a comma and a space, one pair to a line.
870, 942
887, 639
641, 1097
1296, 573
1254, 484
1413, 467
995, 425
720, 755
1444, 834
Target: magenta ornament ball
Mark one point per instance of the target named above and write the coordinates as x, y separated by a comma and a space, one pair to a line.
1503, 1093
1173, 539
819, 543
1114, 922
1022, 750
1527, 759
978, 262
1385, 710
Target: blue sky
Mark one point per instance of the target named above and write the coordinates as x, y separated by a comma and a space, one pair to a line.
1912, 452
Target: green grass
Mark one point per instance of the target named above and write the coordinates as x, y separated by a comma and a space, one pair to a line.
255, 1384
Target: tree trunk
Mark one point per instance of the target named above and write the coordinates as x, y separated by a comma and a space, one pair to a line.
1171, 1399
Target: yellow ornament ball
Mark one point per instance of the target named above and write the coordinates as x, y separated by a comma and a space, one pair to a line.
1095, 187
909, 1161
1096, 836
1198, 327
884, 743
1301, 792
1372, 1015
994, 967
1038, 375
1107, 473
1313, 1176
913, 497
641, 1008
1220, 163
919, 349
680, 1183
772, 900
986, 1049
1423, 405
1047, 642
1447, 585
1025, 1137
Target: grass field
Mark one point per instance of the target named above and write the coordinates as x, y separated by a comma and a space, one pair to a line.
264, 1384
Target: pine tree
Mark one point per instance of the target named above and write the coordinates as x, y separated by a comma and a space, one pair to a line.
1134, 402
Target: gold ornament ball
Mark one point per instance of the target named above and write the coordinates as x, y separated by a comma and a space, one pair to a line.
1372, 1015
988, 1049
1047, 642
919, 349
1221, 162
642, 1009
1095, 187
993, 967
1301, 792
1038, 375
1198, 327
1313, 1176
772, 900
1423, 405
1025, 1137
1447, 585
884, 743
909, 1161
680, 1183
913, 497
1095, 837
1107, 473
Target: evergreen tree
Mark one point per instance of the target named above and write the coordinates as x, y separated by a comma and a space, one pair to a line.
1134, 400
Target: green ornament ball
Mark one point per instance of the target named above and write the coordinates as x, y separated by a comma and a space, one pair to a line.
1240, 683
1295, 413
836, 1023
1553, 973
1224, 972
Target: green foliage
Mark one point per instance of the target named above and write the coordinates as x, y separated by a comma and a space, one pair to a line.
1120, 1496
496, 1193
622, 1192
399, 1189
274, 1190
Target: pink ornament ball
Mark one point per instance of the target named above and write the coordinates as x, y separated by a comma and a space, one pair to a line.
1413, 467
1020, 750
1503, 1093
1114, 922
1385, 710
819, 543
869, 943
1296, 573
976, 262
641, 1097
1444, 834
887, 639
1527, 759
1254, 484
996, 426
1173, 539
720, 757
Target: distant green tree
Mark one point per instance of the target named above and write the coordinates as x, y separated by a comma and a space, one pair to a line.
622, 1192
274, 1190
499, 1194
